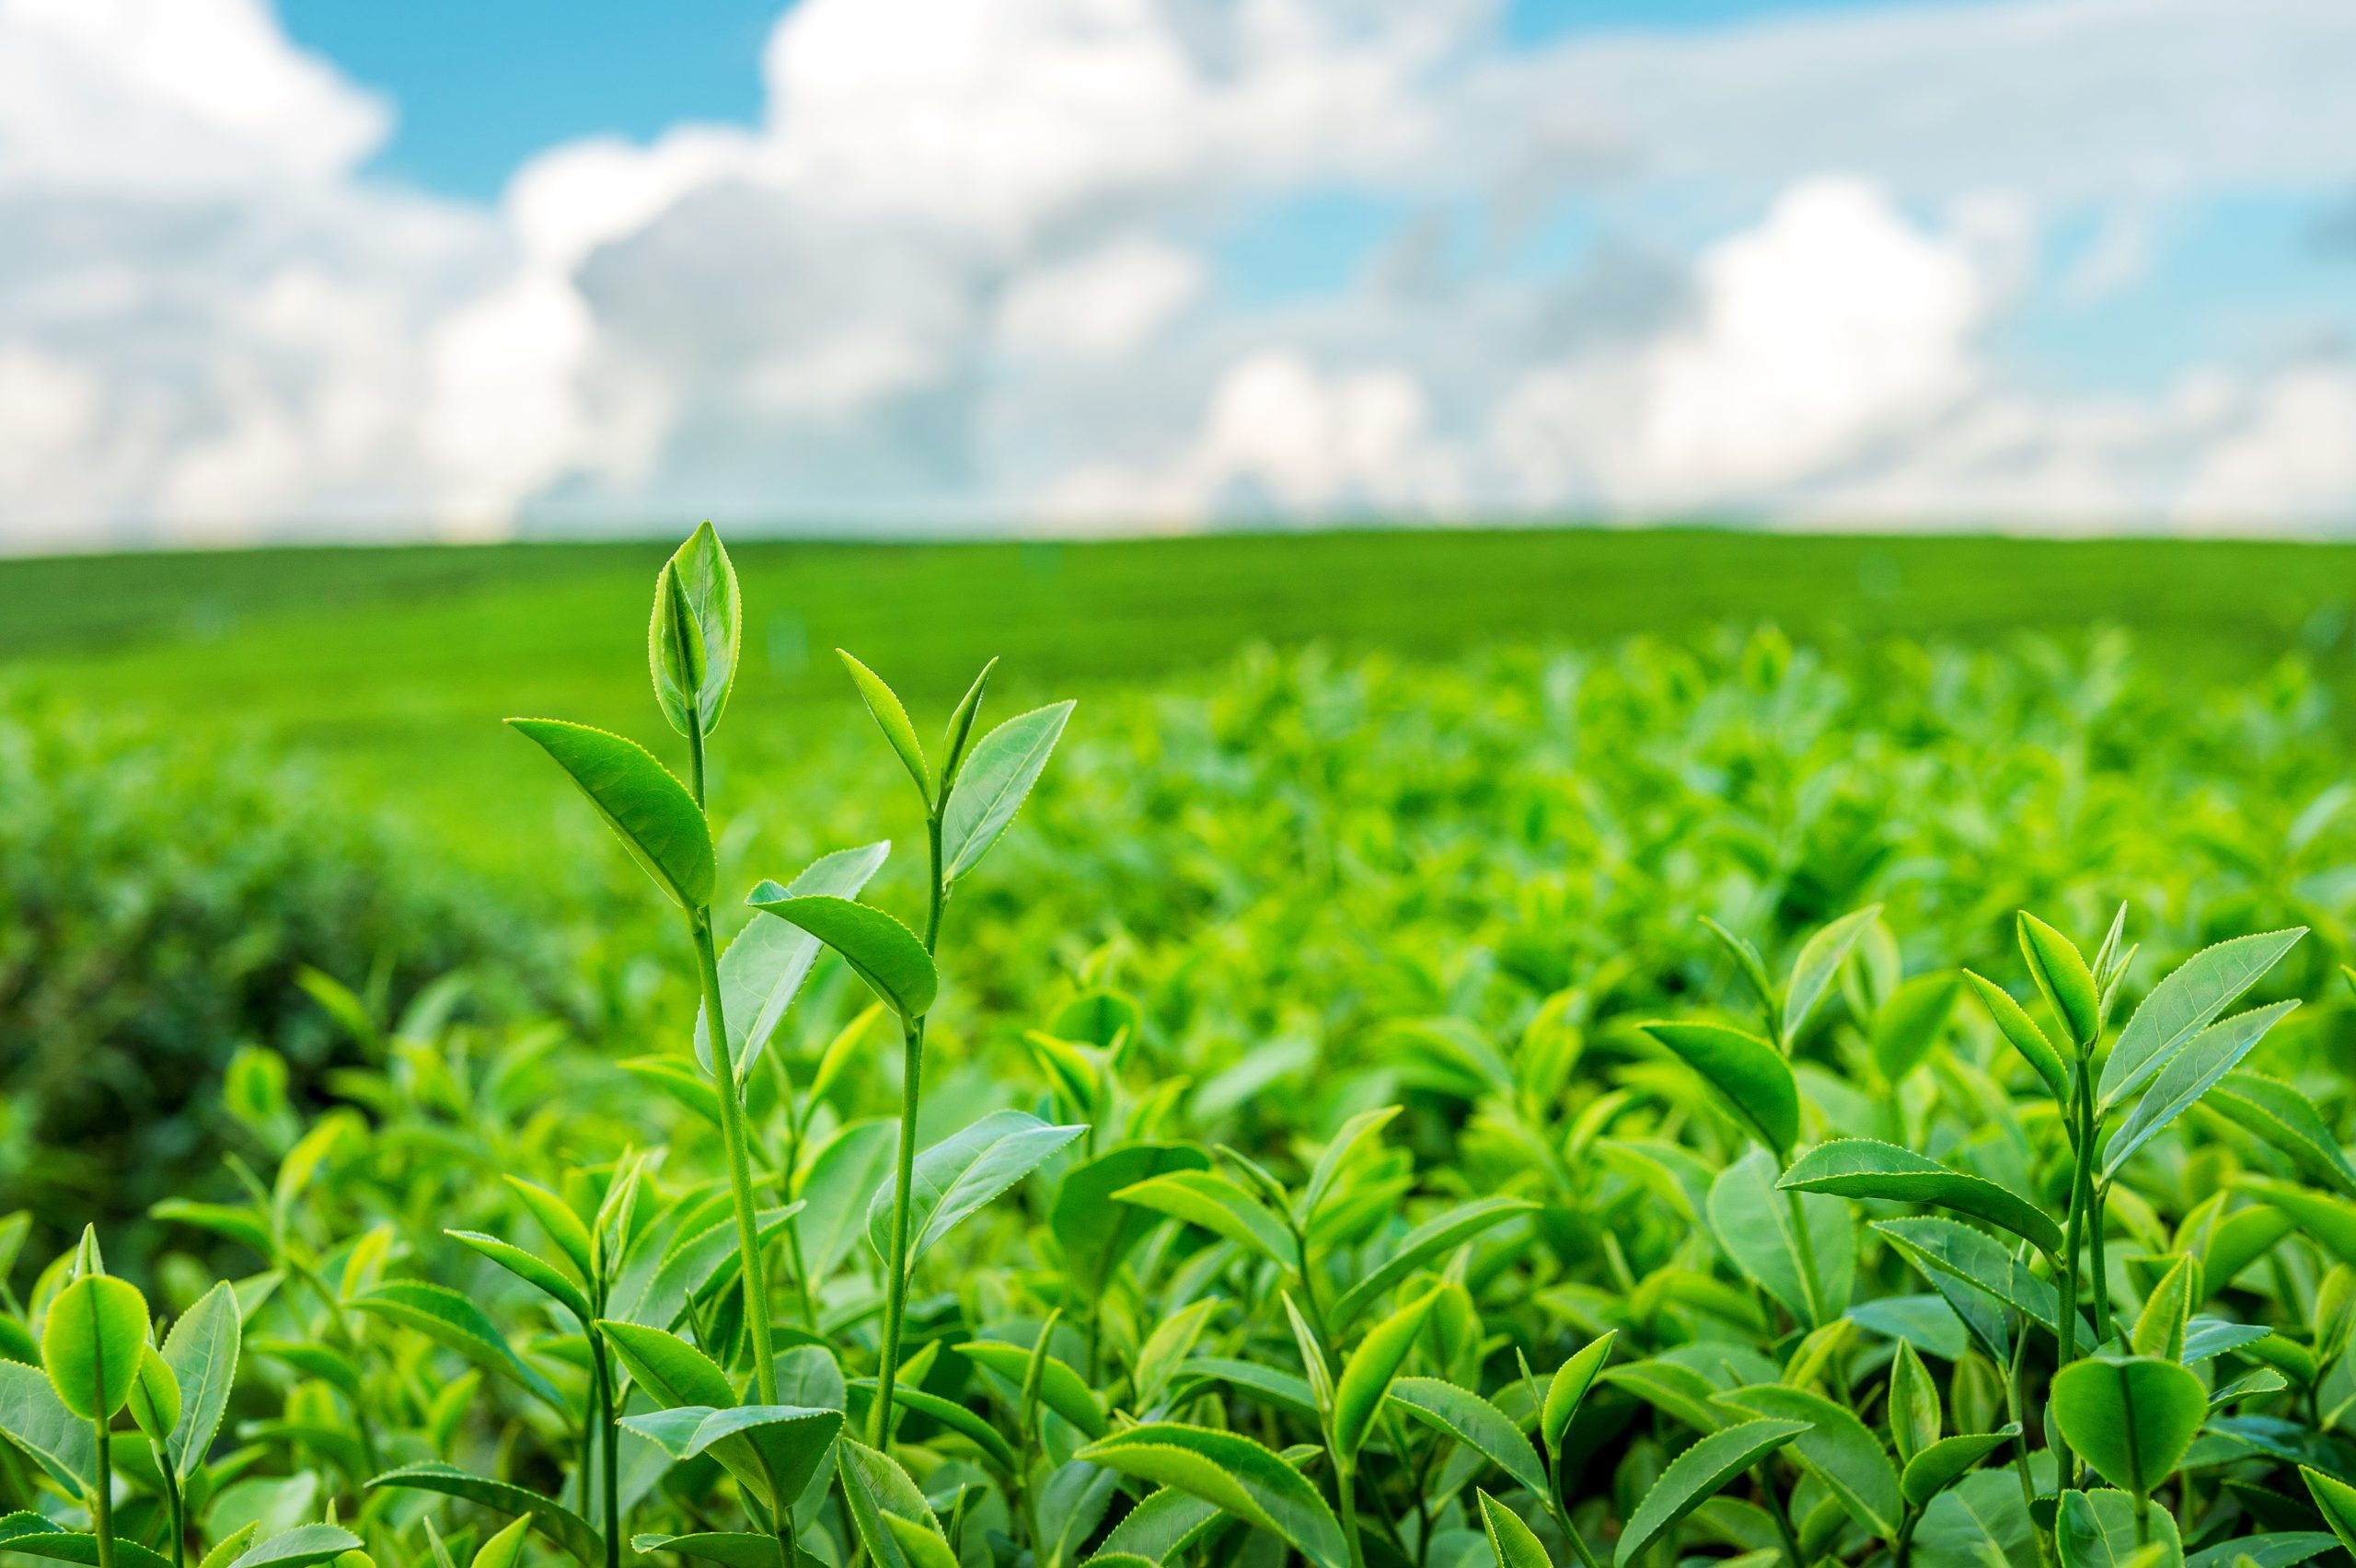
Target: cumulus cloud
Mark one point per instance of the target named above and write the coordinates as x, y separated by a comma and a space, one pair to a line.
968, 270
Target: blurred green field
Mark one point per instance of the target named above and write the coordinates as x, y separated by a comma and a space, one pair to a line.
391, 666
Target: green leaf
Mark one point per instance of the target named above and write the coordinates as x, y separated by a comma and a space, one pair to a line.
880, 950
567, 1529
1908, 1024
2097, 1529
1569, 1387
304, 1544
763, 969
993, 784
90, 1344
1473, 1422
1510, 1541
201, 1351
155, 1397
1914, 1416
1061, 1389
529, 1267
1834, 1445
2021, 1031
790, 1439
1980, 1522
668, 1368
1695, 1476
954, 1416
1419, 1247
1951, 1248
2188, 1075
2190, 999
733, 1548
1749, 1074
505, 1548
890, 1514
1863, 1168
1747, 960
1940, 1465
563, 1227
1352, 1136
955, 1178
227, 1550
36, 1421
2330, 1221
652, 813
2159, 1328
449, 1319
2287, 1120
36, 1537
1817, 965
2131, 1418
1676, 1389
2060, 972
240, 1225
1755, 1225
691, 641
1234, 1474
892, 719
2335, 1500
1206, 1199
1095, 1232
1366, 1377
849, 1168
2282, 1548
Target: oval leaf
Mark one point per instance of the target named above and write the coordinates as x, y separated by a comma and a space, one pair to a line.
1749, 1074
2131, 1418
992, 784
651, 812
91, 1342
880, 950
1695, 1476
1234, 1474
1864, 1167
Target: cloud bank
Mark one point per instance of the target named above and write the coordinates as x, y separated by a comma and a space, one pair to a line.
974, 269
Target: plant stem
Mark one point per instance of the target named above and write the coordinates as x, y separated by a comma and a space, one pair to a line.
1805, 1246
2098, 1278
739, 1172
177, 1504
1781, 1516
603, 1373
1345, 1487
896, 1296
102, 1500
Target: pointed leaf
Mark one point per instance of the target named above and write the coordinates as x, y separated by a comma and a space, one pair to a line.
201, 1351
1569, 1387
890, 1514
2021, 1031
303, 1544
1366, 1377
567, 1529
1510, 1541
1756, 1226
2190, 999
763, 969
2060, 972
1061, 1389
529, 1267
449, 1319
1096, 1232
993, 784
2098, 1529
1695, 1476
697, 609
2188, 1075
1417, 1248
880, 950
955, 1178
2288, 1120
1935, 1467
1233, 1473
1473, 1422
1836, 1448
1749, 1074
652, 813
1817, 965
1863, 1168
1208, 1200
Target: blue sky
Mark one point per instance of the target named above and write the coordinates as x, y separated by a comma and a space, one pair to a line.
329, 270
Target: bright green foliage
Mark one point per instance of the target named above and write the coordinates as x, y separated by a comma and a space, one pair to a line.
1244, 1113
93, 1342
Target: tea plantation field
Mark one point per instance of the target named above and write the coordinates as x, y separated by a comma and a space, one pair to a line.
1531, 1050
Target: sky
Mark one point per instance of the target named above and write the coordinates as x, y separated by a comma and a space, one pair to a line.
331, 270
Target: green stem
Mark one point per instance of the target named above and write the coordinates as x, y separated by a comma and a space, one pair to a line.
1905, 1541
2098, 1277
1805, 1246
1345, 1487
177, 1504
801, 1283
609, 1430
895, 1297
740, 1170
102, 1500
1781, 1516
2016, 1404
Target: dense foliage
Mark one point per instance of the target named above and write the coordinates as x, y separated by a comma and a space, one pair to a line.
1534, 1111
161, 904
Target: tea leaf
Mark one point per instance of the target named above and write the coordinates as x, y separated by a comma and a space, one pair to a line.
201, 1351
1206, 1199
764, 968
304, 1544
2060, 972
1836, 1448
1747, 1072
2186, 1002
1818, 963
1511, 1542
2021, 1033
691, 641
1695, 1476
91, 1344
997, 779
1416, 1250
1473, 1422
567, 1529
2131, 1419
2188, 1075
1234, 1474
1366, 1377
954, 1179
2287, 1120
1940, 1465
1862, 1168
880, 950
652, 813
2098, 1529
447, 1317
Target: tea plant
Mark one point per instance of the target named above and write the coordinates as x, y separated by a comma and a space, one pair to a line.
1639, 1248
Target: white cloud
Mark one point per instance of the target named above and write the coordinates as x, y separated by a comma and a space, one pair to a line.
1102, 305
966, 269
